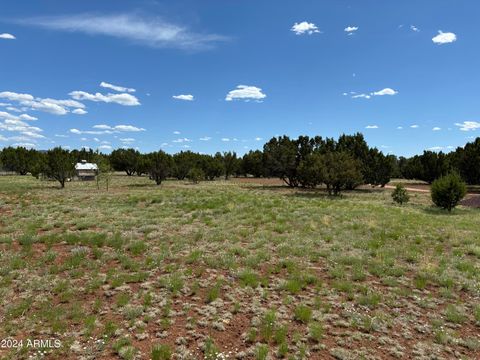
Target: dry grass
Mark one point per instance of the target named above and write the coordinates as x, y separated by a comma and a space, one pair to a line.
235, 270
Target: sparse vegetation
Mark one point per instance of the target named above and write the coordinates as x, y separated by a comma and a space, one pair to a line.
155, 272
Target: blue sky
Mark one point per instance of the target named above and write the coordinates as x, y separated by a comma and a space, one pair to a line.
228, 75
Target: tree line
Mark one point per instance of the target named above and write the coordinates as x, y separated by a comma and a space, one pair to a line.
339, 164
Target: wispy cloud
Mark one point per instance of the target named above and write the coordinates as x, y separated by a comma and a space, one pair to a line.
383, 92
468, 125
122, 99
371, 127
414, 28
149, 31
107, 129
116, 87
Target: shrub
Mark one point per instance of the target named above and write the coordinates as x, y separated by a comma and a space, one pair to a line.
448, 191
400, 195
161, 352
196, 175
303, 314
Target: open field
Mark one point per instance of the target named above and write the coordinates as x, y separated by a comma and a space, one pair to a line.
235, 270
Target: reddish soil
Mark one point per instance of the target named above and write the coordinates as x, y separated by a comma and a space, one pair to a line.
471, 201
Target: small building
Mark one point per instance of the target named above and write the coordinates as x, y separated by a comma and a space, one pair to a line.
85, 170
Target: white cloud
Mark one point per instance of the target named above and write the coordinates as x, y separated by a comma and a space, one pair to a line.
435, 148
258, 139
414, 28
383, 92
116, 87
7, 36
13, 123
414, 126
181, 140
436, 128
444, 38
176, 132
187, 97
153, 31
468, 125
79, 112
127, 140
304, 28
53, 106
225, 139
361, 96
105, 147
33, 134
107, 129
206, 138
25, 145
122, 99
13, 96
371, 127
246, 93
127, 128
350, 29
14, 109
386, 91
399, 127
65, 103
28, 117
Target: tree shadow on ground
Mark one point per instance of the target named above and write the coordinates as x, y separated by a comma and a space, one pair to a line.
433, 210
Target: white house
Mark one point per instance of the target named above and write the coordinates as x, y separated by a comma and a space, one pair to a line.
85, 170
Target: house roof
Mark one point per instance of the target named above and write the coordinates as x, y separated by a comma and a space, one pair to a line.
86, 166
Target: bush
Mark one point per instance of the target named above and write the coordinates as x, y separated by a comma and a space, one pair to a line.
400, 195
448, 191
161, 352
196, 175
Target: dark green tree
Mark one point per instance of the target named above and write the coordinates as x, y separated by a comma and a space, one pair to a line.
378, 168
125, 160
160, 165
311, 171
448, 190
59, 165
212, 167
17, 159
281, 159
342, 171
252, 164
230, 163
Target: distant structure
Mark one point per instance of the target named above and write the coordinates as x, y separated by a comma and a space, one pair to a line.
86, 171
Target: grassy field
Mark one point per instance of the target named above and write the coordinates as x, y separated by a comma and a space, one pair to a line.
229, 270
